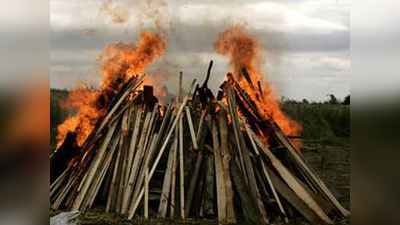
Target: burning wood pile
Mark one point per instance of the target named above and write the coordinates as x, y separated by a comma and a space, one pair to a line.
199, 156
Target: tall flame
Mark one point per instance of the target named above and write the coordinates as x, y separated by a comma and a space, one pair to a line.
244, 52
119, 61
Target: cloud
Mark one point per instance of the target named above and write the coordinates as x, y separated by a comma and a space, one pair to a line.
302, 47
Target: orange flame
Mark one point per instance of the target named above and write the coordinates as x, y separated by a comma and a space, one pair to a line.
119, 61
244, 52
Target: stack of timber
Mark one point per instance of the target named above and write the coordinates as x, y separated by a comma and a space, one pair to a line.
199, 156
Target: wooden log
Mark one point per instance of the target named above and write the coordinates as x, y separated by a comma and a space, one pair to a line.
220, 177
226, 157
191, 129
93, 168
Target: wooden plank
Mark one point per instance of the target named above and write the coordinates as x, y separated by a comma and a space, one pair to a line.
263, 169
93, 168
247, 167
181, 170
193, 181
220, 177
135, 166
166, 190
294, 199
146, 195
174, 166
226, 157
119, 102
161, 151
111, 195
104, 169
191, 129
292, 182
301, 162
209, 187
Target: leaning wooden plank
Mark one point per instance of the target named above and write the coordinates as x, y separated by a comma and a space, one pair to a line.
294, 199
174, 166
309, 171
191, 129
193, 182
220, 177
166, 190
208, 206
244, 154
103, 171
251, 212
132, 148
93, 168
135, 166
146, 195
263, 169
163, 147
293, 183
181, 170
119, 102
226, 156
112, 191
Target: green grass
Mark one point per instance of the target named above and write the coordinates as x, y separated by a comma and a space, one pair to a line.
320, 121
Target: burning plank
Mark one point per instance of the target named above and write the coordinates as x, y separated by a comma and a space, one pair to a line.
202, 157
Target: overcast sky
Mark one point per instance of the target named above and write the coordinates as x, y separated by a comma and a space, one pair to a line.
305, 43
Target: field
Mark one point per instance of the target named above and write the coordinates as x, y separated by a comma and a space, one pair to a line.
325, 140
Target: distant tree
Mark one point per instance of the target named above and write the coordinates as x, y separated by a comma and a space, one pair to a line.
346, 100
333, 100
305, 101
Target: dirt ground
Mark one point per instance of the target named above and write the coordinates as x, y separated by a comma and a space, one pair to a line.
330, 160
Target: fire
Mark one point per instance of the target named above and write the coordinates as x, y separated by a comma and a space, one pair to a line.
244, 52
120, 62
